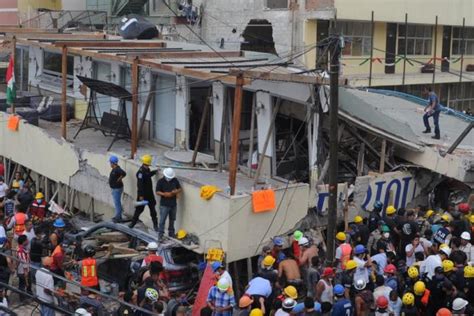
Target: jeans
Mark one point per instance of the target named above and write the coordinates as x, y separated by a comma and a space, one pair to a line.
166, 211
141, 208
46, 311
117, 197
435, 116
24, 284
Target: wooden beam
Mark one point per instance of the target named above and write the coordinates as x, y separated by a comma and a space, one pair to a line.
64, 92
109, 43
134, 107
61, 36
383, 152
291, 77
239, 82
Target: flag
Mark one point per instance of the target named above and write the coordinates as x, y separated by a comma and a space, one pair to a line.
10, 77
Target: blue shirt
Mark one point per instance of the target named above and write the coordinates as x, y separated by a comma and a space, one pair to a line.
259, 286
432, 97
342, 307
221, 299
299, 308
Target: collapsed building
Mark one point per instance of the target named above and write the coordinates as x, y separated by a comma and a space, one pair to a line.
177, 104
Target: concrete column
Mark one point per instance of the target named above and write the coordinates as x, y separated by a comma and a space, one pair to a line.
218, 102
264, 117
182, 112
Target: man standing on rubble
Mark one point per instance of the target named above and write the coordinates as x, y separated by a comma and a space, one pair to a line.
431, 110
168, 189
116, 185
145, 195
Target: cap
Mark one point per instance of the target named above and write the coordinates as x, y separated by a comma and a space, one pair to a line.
328, 271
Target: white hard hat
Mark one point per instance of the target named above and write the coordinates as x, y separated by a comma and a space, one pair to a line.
447, 251
466, 236
303, 241
82, 312
152, 246
459, 304
169, 173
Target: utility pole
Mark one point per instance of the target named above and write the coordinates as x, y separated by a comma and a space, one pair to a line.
333, 142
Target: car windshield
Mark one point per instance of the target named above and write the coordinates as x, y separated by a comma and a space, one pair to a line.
182, 255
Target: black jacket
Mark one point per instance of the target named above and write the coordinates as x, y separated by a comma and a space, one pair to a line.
144, 183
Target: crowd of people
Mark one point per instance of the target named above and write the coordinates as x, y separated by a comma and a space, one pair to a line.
394, 262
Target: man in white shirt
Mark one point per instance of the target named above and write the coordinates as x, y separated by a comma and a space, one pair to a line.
410, 250
3, 189
362, 270
260, 287
434, 261
45, 287
380, 258
466, 246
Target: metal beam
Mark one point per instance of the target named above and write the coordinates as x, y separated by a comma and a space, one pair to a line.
459, 139
291, 77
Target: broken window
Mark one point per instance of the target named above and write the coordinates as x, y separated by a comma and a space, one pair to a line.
52, 63
418, 39
357, 36
277, 4
258, 37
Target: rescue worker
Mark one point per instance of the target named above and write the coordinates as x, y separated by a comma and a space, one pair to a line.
466, 246
363, 230
374, 217
346, 278
469, 283
363, 299
220, 299
422, 297
374, 237
289, 273
277, 252
362, 271
381, 305
221, 273
295, 247
17, 182
390, 278
145, 194
57, 254
343, 251
324, 288
443, 234
38, 208
17, 222
59, 226
308, 251
116, 185
89, 276
152, 248
408, 308
268, 272
168, 188
342, 306
266, 251
413, 276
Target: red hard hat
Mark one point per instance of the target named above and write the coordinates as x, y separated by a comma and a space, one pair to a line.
390, 268
382, 302
464, 208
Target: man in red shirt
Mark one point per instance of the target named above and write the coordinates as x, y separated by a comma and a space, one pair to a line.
152, 248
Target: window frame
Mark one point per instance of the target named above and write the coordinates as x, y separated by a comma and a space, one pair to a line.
468, 41
282, 8
413, 39
52, 77
364, 37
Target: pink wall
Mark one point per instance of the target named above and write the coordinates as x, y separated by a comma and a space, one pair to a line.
8, 17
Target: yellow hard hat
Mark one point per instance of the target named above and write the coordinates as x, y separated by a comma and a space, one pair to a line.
408, 299
256, 312
341, 236
419, 288
268, 261
146, 160
469, 272
351, 264
291, 292
358, 219
181, 234
39, 195
429, 213
413, 272
448, 265
445, 218
390, 210
443, 246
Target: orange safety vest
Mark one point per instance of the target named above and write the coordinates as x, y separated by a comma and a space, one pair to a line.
151, 258
89, 273
20, 219
346, 250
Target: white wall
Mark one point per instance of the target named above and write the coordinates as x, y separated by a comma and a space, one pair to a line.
74, 4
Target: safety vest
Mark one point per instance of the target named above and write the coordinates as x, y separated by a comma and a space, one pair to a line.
89, 273
346, 251
20, 219
152, 258
426, 297
38, 210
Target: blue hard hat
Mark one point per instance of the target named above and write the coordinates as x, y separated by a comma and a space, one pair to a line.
278, 241
113, 159
216, 265
338, 290
359, 249
378, 205
59, 223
